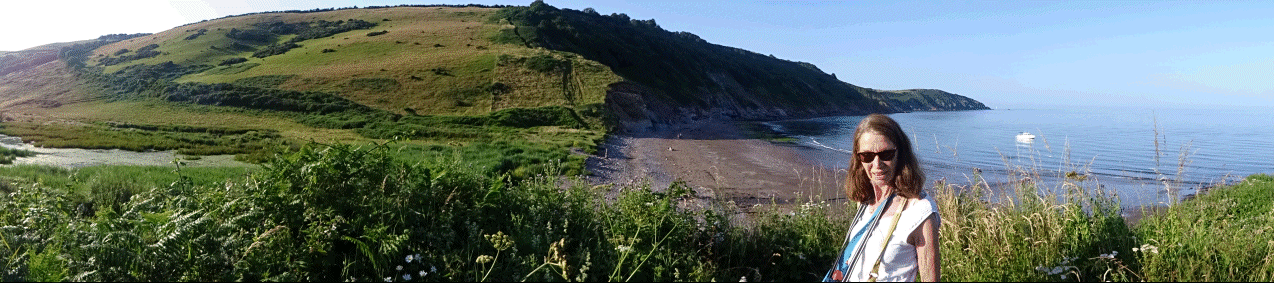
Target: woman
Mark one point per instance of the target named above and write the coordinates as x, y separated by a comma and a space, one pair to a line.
894, 235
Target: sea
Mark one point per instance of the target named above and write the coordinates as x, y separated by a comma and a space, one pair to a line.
1146, 156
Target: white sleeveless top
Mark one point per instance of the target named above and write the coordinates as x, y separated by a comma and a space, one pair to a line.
899, 261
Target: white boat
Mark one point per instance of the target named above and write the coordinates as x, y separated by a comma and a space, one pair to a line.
1025, 137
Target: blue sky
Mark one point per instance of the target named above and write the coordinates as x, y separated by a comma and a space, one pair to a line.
1007, 54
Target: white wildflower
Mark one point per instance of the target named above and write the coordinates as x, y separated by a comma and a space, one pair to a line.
418, 257
410, 258
743, 279
407, 277
624, 248
1147, 248
423, 273
433, 269
399, 268
389, 279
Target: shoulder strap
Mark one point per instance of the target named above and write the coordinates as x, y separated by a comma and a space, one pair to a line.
872, 276
861, 209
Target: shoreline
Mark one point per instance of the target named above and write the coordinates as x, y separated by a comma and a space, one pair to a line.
720, 161
730, 162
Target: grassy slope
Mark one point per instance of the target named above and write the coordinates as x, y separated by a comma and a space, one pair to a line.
435, 60
419, 40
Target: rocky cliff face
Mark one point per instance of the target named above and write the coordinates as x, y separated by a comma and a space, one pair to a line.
638, 109
926, 100
673, 78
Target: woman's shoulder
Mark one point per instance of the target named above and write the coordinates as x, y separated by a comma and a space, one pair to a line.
921, 208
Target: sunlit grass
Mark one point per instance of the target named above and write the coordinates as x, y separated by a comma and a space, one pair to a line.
443, 218
1223, 235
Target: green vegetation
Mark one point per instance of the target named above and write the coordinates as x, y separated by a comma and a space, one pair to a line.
184, 139
479, 190
267, 81
8, 154
267, 32
233, 61
1218, 236
341, 213
1033, 233
142, 53
346, 212
641, 51
194, 36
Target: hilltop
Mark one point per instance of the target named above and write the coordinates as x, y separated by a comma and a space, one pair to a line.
439, 75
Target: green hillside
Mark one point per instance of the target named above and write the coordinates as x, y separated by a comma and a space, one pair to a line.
678, 72
432, 60
532, 82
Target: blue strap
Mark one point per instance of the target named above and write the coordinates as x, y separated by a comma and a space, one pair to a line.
847, 253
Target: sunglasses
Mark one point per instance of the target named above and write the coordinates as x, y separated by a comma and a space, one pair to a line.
868, 157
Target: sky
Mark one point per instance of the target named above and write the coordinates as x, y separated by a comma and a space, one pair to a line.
1006, 54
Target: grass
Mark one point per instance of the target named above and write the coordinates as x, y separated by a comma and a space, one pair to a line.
8, 154
483, 192
343, 212
189, 140
1030, 232
1219, 236
419, 39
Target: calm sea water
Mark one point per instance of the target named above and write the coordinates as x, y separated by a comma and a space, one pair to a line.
1115, 146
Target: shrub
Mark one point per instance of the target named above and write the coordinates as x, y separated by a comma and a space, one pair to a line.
535, 117
196, 34
233, 61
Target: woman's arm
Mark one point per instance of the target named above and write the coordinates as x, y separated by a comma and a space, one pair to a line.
928, 259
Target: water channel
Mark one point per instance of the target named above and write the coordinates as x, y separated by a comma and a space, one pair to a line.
79, 157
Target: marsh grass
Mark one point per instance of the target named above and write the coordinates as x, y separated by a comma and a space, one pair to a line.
184, 139
8, 154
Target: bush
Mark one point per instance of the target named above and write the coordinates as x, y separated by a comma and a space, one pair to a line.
196, 34
535, 117
375, 33
233, 61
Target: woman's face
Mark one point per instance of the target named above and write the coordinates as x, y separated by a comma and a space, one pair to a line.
878, 156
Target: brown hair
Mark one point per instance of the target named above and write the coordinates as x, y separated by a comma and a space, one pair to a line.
908, 179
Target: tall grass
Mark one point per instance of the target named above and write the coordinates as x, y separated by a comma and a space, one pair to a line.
1223, 235
1027, 231
326, 213
342, 213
